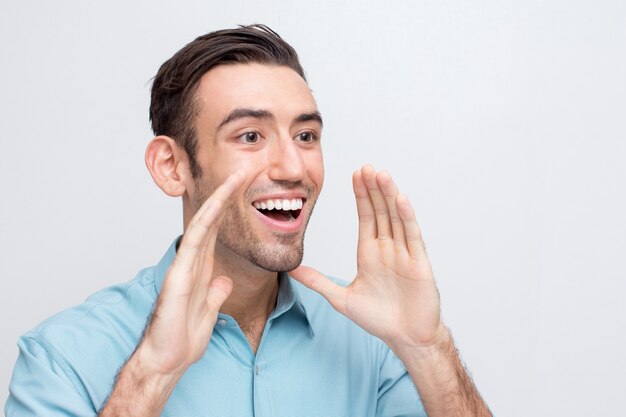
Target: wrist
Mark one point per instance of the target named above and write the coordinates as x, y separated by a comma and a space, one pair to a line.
421, 351
141, 388
440, 377
146, 365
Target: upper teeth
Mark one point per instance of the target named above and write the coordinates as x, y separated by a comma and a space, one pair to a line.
279, 204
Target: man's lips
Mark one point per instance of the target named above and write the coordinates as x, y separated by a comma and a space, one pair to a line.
281, 212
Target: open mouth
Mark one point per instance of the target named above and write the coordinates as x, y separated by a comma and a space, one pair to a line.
281, 210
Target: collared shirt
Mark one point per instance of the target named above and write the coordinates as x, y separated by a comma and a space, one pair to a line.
312, 361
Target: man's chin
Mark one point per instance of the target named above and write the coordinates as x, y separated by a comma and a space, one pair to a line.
278, 262
270, 250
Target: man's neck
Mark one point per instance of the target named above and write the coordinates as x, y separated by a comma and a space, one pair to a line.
254, 295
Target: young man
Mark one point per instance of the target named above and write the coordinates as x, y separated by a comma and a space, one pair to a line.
219, 327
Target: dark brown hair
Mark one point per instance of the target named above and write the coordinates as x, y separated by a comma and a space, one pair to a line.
173, 107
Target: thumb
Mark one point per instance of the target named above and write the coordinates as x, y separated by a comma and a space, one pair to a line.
219, 290
335, 294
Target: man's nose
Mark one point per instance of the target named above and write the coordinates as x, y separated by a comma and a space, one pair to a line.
286, 163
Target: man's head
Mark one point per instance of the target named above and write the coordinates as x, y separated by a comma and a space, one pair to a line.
237, 100
173, 105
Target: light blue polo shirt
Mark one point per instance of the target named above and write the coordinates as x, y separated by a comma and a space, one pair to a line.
312, 361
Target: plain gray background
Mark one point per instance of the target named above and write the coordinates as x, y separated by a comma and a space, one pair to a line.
504, 122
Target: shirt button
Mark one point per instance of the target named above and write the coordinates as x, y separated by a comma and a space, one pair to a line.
222, 322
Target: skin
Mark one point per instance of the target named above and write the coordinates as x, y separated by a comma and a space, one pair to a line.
279, 154
224, 265
277, 162
394, 297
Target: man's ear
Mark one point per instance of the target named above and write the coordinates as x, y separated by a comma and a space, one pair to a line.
169, 166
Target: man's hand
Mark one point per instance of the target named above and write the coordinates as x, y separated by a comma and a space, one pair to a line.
189, 302
394, 296
182, 322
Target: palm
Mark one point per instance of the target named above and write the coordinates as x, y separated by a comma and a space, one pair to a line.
189, 302
393, 295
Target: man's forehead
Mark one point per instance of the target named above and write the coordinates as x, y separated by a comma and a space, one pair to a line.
277, 89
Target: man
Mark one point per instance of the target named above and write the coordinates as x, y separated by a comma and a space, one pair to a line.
218, 328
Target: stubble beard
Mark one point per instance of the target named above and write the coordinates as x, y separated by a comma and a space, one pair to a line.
236, 234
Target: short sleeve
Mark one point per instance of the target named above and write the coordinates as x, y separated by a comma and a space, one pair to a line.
40, 386
397, 396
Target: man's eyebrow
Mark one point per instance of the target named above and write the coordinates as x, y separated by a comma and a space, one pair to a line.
311, 116
241, 113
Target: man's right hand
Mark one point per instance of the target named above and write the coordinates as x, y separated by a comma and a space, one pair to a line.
182, 322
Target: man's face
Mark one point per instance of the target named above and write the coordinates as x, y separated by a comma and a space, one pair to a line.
263, 120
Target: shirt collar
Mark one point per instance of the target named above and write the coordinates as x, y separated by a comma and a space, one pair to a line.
288, 297
161, 268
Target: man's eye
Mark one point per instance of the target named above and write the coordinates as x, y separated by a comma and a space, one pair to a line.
250, 137
307, 137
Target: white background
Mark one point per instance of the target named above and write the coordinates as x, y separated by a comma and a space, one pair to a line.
504, 122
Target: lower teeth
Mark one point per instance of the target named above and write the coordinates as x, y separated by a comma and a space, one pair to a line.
280, 215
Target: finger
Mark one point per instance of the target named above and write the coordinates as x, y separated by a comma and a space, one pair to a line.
200, 225
203, 269
211, 217
364, 208
220, 289
335, 294
412, 231
383, 226
390, 191
207, 310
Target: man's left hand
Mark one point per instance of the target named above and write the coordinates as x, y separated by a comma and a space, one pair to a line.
393, 295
